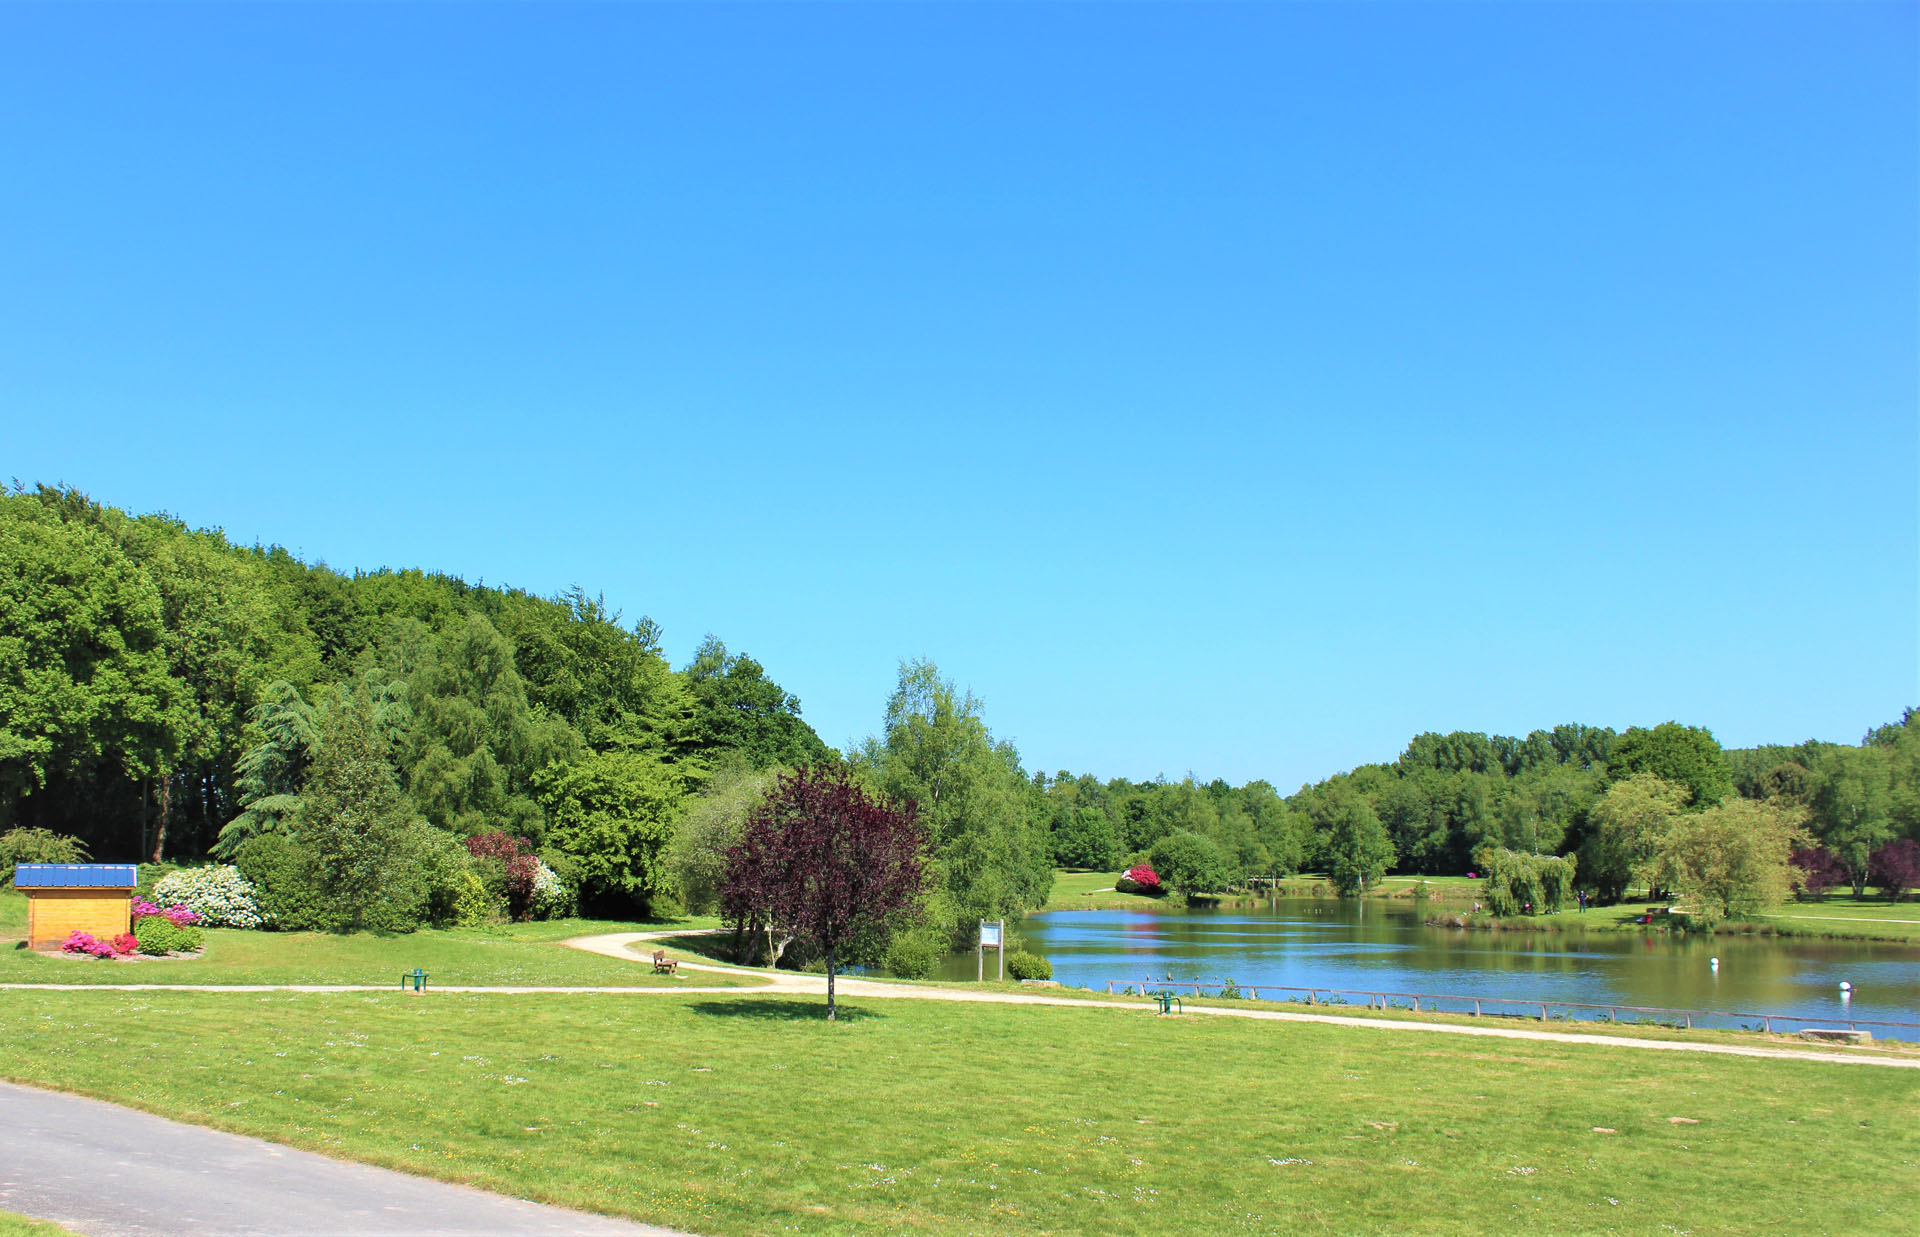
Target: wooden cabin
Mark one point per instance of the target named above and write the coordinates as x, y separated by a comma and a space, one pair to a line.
63, 898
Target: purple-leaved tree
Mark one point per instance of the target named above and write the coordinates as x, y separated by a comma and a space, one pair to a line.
822, 861
1896, 868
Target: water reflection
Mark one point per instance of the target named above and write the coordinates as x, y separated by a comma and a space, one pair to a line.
1306, 943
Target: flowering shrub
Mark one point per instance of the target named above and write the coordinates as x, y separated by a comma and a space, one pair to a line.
516, 871
219, 896
178, 916
87, 943
1139, 879
551, 898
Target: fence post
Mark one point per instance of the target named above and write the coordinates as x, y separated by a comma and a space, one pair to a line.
1543, 1013
1476, 1007
1416, 1005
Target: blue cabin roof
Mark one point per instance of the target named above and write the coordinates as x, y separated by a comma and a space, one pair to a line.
75, 876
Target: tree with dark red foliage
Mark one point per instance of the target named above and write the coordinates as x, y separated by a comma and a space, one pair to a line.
516, 857
1820, 869
822, 861
1896, 867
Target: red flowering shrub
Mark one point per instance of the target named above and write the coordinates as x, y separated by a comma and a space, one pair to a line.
1139, 879
516, 871
87, 943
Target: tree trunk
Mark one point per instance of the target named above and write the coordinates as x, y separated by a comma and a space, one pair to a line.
832, 1012
160, 828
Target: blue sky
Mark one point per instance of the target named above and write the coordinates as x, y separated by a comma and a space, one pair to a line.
1238, 389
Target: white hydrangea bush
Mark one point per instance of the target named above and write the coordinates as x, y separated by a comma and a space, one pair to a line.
551, 899
220, 896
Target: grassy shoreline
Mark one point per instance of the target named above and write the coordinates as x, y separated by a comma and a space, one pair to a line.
1848, 920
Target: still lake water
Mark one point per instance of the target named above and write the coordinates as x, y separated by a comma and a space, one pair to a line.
1328, 944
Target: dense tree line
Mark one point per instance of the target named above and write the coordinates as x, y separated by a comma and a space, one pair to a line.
167, 694
1610, 801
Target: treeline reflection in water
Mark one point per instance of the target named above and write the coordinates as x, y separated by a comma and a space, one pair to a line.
1384, 947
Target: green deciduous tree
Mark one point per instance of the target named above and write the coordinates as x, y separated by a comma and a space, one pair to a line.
1686, 756
1732, 859
709, 827
1358, 851
1083, 837
1628, 826
1190, 864
991, 857
736, 707
1853, 804
85, 694
612, 814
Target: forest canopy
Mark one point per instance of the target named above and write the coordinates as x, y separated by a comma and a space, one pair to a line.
166, 694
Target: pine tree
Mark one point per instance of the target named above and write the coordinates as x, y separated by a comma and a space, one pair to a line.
357, 827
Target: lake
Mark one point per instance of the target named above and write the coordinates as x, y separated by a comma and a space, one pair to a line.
1384, 947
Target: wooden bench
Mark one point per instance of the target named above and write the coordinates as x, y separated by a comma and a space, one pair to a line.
663, 965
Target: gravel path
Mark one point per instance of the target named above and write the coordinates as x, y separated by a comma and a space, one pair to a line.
108, 1171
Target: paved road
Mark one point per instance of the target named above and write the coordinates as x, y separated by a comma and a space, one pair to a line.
108, 1171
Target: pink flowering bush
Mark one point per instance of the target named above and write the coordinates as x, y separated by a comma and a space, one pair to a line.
516, 871
87, 943
1139, 879
178, 916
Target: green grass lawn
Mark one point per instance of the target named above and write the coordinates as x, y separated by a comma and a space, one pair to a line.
1837, 916
527, 953
1093, 891
749, 1114
14, 1225
13, 912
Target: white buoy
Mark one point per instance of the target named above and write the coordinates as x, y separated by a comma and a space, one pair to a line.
1714, 963
1845, 986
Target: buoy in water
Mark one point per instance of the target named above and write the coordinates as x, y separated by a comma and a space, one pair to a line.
1845, 986
1714, 963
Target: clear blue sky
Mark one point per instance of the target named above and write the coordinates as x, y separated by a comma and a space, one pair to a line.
1236, 389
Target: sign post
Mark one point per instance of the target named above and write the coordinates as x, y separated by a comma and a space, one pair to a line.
993, 935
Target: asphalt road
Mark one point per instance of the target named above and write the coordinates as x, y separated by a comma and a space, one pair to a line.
108, 1171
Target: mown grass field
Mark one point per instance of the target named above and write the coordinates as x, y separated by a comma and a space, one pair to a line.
14, 1225
749, 1114
1840, 916
512, 954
